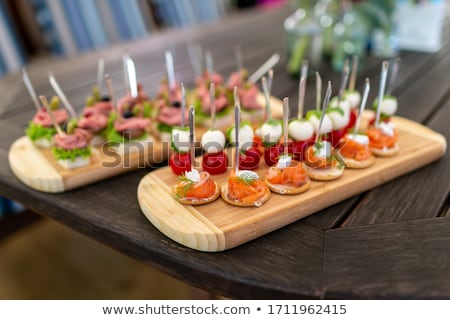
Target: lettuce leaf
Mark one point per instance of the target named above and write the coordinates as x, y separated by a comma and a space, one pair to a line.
36, 131
63, 154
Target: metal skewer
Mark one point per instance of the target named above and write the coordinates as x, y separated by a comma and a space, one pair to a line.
285, 124
393, 77
100, 73
209, 63
362, 106
352, 82
192, 136
212, 98
50, 113
132, 79
237, 125
268, 115
384, 72
344, 80
29, 86
302, 89
61, 95
318, 90
269, 81
108, 82
269, 64
324, 110
170, 70
183, 105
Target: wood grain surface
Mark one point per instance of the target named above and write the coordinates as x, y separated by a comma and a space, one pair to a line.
389, 242
218, 226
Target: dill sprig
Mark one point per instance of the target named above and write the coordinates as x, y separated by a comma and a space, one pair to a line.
246, 178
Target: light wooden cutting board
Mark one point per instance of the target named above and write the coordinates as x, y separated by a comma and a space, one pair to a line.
219, 226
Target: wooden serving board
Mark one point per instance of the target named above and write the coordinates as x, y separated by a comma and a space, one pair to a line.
37, 168
219, 226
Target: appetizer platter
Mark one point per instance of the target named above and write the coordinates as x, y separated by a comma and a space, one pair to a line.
259, 198
63, 150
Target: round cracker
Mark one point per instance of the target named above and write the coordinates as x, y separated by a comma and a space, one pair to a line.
197, 202
324, 174
355, 164
386, 153
243, 204
281, 189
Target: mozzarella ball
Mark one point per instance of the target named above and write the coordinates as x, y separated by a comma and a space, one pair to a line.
246, 136
213, 141
180, 139
353, 98
327, 125
343, 104
271, 132
339, 120
300, 130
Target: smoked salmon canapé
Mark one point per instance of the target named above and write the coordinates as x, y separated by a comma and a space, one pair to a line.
322, 162
355, 151
288, 177
245, 189
196, 188
383, 139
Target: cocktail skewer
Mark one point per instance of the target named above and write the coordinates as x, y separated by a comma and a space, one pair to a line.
324, 110
265, 67
61, 95
132, 79
354, 72
30, 89
286, 125
212, 98
318, 90
192, 136
100, 74
393, 76
302, 89
362, 106
183, 105
237, 125
383, 78
170, 70
268, 110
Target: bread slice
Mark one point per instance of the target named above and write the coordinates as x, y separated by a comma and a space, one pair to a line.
386, 152
259, 203
196, 202
325, 174
355, 164
283, 189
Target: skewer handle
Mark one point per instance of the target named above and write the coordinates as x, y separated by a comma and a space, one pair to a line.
268, 115
318, 90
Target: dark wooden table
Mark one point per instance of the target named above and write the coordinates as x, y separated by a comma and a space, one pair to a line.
390, 242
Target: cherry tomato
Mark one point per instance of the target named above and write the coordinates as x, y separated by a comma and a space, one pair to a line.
180, 162
298, 148
352, 121
336, 135
249, 160
215, 163
271, 154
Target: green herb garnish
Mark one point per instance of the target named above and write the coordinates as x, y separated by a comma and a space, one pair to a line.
36, 131
63, 154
